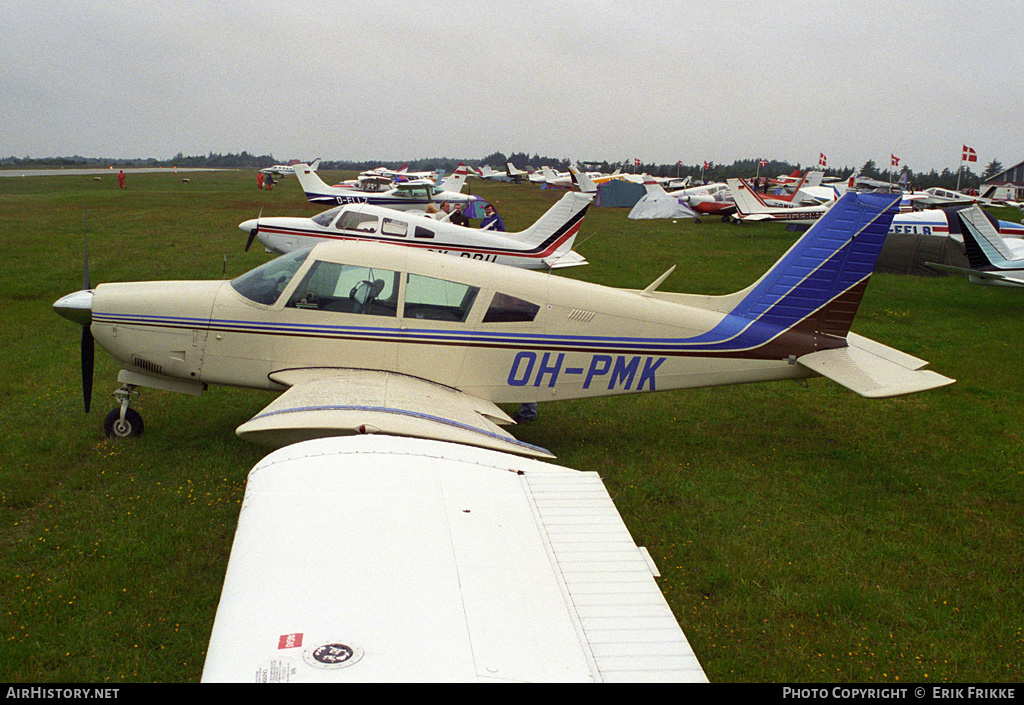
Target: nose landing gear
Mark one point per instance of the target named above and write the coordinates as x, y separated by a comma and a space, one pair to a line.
123, 422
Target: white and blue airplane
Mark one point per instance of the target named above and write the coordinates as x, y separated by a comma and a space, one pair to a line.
397, 512
289, 169
407, 195
547, 244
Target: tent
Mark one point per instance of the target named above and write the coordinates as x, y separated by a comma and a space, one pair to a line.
660, 205
618, 194
910, 253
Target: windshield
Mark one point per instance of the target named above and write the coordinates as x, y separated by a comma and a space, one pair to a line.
326, 217
265, 283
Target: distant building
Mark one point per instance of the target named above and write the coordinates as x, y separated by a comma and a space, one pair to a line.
1006, 185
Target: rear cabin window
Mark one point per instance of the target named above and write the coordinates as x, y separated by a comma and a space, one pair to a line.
394, 228
360, 222
423, 232
437, 300
346, 288
507, 309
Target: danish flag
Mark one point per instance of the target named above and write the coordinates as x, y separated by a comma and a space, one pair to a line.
895, 159
706, 165
969, 155
764, 162
636, 161
821, 159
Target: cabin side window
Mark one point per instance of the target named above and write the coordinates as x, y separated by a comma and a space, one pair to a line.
505, 308
423, 232
394, 228
346, 288
433, 299
359, 222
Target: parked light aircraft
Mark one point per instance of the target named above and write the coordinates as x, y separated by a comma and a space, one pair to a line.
940, 197
431, 542
994, 261
750, 205
401, 174
547, 244
409, 195
289, 169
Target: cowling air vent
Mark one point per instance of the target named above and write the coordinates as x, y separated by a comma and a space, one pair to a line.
144, 364
581, 316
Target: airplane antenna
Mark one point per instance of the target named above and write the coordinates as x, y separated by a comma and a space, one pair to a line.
657, 282
581, 243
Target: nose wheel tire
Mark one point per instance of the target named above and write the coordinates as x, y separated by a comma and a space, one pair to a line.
116, 428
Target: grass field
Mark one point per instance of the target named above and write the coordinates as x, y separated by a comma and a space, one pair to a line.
803, 533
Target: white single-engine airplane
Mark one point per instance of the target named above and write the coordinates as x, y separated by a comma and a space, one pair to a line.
289, 169
408, 195
547, 244
354, 555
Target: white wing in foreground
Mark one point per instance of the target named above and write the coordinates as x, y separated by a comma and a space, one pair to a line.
376, 558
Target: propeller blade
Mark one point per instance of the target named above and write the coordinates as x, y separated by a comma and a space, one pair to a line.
88, 354
252, 233
85, 249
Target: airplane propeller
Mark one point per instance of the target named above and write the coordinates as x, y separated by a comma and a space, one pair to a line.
88, 345
252, 233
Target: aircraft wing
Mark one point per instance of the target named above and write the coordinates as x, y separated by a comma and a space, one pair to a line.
381, 559
872, 369
331, 401
978, 275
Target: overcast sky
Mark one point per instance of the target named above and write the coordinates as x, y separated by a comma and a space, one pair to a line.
594, 80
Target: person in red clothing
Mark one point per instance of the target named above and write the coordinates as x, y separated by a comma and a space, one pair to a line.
259, 180
120, 178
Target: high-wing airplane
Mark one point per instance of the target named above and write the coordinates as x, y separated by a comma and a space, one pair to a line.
547, 244
408, 195
994, 262
350, 552
289, 169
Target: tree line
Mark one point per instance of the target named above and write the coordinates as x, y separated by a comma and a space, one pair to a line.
713, 171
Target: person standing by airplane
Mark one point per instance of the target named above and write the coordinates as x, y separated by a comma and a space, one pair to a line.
120, 179
492, 221
259, 180
457, 216
269, 181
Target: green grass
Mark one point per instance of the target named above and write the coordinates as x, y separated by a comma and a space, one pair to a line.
803, 533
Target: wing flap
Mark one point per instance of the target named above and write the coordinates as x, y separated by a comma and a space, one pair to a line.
322, 402
398, 559
872, 369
